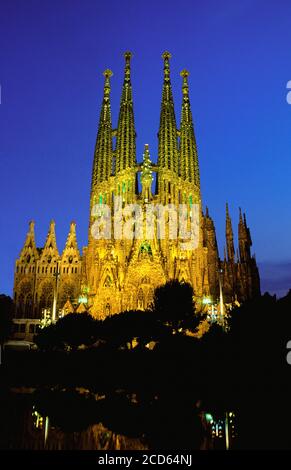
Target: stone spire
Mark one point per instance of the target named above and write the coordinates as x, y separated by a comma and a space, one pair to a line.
71, 243
229, 237
50, 248
102, 164
29, 248
168, 146
125, 143
189, 167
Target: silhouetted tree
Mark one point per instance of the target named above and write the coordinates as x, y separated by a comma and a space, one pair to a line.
48, 338
143, 326
72, 330
76, 329
174, 305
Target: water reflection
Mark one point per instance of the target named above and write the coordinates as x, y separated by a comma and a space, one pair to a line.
78, 419
59, 420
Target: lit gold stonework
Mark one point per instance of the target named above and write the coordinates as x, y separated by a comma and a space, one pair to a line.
184, 73
107, 73
121, 274
166, 55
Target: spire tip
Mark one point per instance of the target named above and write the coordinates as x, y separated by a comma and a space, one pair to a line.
107, 73
166, 55
127, 55
184, 73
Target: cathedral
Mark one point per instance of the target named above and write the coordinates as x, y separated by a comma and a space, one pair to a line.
118, 273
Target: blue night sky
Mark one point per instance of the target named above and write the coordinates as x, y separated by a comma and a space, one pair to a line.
52, 56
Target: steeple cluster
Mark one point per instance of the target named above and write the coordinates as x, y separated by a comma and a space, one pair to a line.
177, 150
115, 273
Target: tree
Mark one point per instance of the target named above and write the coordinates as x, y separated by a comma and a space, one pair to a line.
174, 305
48, 338
6, 314
72, 330
121, 329
76, 329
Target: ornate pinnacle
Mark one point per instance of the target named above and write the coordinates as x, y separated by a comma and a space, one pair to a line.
128, 56
107, 73
146, 165
166, 55
146, 174
184, 73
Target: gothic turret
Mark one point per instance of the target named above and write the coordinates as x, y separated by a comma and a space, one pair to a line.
102, 164
125, 142
25, 272
70, 269
189, 168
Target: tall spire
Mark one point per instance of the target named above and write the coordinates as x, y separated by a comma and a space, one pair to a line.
229, 237
168, 146
189, 167
125, 143
102, 164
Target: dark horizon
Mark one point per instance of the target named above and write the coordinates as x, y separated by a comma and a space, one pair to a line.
52, 60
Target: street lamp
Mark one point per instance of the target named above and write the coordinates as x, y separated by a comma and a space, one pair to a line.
54, 312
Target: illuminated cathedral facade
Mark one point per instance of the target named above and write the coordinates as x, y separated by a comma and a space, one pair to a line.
114, 274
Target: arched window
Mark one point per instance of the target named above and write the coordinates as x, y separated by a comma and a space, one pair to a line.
46, 296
